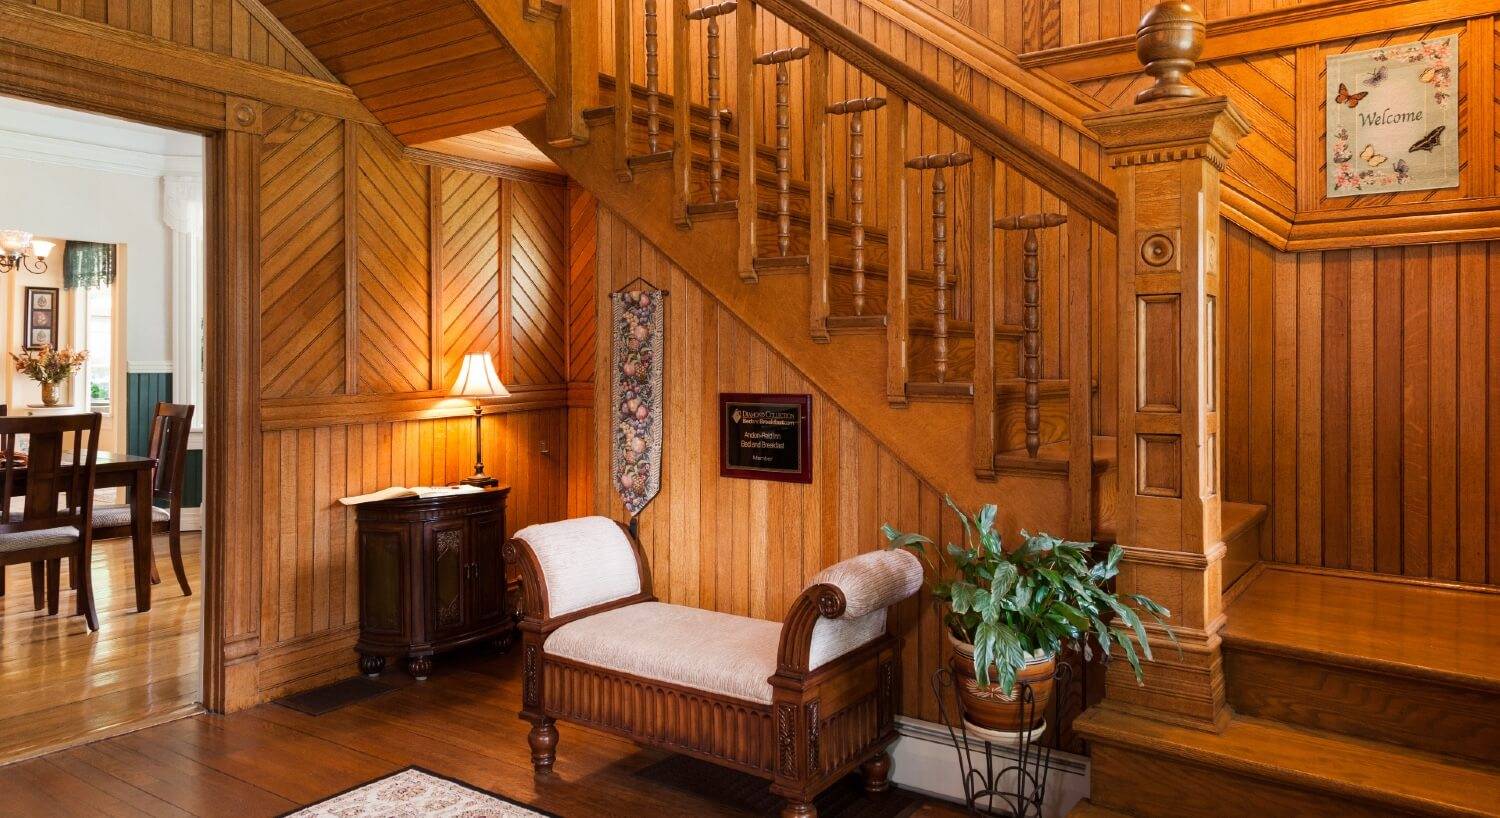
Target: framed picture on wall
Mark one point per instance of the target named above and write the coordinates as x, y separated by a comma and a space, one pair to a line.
765, 437
41, 317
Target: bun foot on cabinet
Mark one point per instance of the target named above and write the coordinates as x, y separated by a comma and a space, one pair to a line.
419, 667
371, 665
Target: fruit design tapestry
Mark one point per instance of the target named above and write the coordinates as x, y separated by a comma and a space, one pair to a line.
639, 341
1393, 118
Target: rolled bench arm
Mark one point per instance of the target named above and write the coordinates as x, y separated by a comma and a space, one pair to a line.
843, 597
595, 565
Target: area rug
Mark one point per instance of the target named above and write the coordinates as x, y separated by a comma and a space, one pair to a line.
415, 792
845, 799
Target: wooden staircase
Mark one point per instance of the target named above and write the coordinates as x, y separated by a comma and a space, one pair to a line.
1353, 695
901, 336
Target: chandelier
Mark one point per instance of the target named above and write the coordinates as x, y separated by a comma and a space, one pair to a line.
19, 251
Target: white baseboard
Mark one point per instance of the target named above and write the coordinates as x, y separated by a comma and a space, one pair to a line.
192, 519
923, 759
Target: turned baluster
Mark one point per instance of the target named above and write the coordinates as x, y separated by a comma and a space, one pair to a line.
653, 80
781, 59
715, 96
1031, 338
856, 109
936, 163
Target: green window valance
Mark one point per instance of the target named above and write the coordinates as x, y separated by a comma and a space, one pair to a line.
88, 264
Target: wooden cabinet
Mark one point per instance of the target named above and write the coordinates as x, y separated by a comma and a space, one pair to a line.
431, 578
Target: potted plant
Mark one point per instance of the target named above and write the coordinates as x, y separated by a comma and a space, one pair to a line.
49, 367
1009, 614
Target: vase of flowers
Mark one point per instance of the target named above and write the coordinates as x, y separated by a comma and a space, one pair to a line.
1009, 614
49, 367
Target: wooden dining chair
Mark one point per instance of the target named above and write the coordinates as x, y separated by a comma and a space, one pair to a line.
45, 530
170, 427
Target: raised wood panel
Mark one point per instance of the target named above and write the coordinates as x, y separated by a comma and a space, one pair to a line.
231, 28
395, 55
302, 271
471, 267
749, 547
1362, 407
538, 275
392, 256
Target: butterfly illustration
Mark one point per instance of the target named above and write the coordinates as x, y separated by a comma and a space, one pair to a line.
1403, 170
1372, 158
1434, 74
1433, 139
1377, 77
1346, 98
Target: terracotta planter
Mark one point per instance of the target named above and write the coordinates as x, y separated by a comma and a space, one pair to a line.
991, 708
49, 394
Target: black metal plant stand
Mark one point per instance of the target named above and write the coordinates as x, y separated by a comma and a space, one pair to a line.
1013, 790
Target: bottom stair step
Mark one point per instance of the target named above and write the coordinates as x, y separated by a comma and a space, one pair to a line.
1257, 768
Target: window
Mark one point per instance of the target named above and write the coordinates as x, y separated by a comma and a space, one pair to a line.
98, 340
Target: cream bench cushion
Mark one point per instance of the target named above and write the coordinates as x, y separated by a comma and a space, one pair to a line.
715, 652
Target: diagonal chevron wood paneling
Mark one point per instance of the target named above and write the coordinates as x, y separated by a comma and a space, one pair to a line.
471, 268
583, 250
302, 255
242, 29
393, 257
538, 283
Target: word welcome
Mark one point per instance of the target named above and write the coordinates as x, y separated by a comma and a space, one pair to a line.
1387, 118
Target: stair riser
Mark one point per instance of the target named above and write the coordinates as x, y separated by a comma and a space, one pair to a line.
1409, 712
1149, 785
1010, 420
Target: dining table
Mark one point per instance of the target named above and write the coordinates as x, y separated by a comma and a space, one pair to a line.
133, 473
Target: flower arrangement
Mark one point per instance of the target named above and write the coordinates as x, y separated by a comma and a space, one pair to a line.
47, 365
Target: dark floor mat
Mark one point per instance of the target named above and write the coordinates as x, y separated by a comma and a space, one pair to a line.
329, 698
846, 799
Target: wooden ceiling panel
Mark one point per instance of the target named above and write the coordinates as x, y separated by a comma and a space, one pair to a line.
427, 69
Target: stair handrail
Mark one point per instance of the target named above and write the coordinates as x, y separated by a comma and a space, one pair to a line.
1075, 188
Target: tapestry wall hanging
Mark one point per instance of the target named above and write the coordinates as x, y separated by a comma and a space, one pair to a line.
638, 339
1393, 118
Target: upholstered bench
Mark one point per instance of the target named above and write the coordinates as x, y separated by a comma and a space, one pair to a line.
802, 702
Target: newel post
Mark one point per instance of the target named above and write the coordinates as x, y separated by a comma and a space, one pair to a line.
1167, 152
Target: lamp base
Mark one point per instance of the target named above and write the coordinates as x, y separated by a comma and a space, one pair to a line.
482, 480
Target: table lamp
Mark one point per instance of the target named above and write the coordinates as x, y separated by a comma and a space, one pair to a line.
478, 379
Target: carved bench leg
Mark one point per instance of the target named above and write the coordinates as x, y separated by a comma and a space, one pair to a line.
543, 740
877, 773
799, 809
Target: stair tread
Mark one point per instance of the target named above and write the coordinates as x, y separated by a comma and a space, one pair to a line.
1372, 623
1088, 809
1312, 760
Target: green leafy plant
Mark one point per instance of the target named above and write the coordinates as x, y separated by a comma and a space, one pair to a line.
1041, 596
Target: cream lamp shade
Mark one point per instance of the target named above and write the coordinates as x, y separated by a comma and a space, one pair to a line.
41, 248
478, 378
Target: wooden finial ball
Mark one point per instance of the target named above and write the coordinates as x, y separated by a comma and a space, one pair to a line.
1169, 42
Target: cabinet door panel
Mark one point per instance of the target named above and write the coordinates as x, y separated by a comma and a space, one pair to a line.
448, 572
489, 596
382, 600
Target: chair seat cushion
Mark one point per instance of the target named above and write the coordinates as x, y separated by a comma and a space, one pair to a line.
106, 516
40, 538
704, 650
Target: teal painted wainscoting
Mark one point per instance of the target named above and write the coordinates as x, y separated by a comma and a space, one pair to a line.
143, 391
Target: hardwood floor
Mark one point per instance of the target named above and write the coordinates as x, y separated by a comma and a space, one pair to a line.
59, 683
461, 723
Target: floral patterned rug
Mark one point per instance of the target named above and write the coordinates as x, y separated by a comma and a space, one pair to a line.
415, 792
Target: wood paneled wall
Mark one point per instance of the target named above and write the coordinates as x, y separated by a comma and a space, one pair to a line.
1032, 25
1362, 404
418, 265
748, 547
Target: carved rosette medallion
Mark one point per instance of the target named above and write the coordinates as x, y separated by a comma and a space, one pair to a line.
1157, 250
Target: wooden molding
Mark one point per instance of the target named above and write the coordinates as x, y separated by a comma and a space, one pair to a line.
288, 40
277, 414
448, 160
1257, 33
31, 27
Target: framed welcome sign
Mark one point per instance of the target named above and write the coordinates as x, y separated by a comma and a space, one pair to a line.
1393, 118
765, 437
